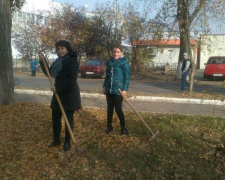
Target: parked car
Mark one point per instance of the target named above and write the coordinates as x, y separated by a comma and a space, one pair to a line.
93, 68
215, 67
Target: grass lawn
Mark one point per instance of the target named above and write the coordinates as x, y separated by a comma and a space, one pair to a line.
187, 147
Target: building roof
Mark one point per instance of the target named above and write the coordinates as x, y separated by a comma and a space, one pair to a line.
163, 42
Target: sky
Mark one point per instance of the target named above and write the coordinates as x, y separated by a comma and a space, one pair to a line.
79, 3
91, 4
34, 5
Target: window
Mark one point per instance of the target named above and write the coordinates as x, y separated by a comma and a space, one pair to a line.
94, 62
216, 61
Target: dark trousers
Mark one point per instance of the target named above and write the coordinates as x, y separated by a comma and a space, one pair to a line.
184, 79
33, 72
115, 101
57, 125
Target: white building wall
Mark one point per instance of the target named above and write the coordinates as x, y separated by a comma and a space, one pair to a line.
30, 11
211, 45
34, 6
167, 55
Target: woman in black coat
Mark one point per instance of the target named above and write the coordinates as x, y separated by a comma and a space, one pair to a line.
65, 71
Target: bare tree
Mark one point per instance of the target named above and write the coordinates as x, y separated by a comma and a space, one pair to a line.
111, 17
26, 39
186, 16
136, 29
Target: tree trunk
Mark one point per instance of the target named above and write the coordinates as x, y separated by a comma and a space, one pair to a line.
6, 68
183, 49
191, 77
183, 19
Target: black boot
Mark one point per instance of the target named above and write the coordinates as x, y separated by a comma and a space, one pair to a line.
109, 129
54, 143
124, 131
66, 146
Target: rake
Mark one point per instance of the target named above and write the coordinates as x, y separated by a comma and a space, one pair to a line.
153, 134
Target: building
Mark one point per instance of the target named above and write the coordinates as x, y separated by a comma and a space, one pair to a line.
165, 51
32, 12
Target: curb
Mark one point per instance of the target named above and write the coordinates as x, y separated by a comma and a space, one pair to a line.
134, 98
49, 93
177, 100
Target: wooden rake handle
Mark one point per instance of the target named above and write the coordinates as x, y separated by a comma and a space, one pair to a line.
136, 113
59, 102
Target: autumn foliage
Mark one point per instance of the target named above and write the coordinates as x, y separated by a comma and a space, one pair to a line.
186, 147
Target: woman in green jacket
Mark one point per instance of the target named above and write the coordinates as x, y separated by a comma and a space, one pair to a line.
117, 77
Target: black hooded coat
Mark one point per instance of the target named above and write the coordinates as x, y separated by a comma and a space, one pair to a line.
66, 84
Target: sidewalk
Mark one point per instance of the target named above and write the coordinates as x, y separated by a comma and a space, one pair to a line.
134, 98
151, 104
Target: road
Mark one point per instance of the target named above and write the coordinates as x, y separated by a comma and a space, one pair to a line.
24, 80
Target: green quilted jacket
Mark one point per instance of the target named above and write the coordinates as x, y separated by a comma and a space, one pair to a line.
117, 76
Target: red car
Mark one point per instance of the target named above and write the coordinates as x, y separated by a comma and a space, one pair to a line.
215, 67
93, 68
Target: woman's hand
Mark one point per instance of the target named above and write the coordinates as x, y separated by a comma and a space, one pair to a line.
103, 91
124, 93
41, 55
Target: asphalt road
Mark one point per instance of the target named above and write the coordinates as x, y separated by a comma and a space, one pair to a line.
24, 80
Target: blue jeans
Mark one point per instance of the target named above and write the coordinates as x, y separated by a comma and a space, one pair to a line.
184, 79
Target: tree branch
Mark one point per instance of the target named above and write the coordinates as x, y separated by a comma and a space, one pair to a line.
196, 11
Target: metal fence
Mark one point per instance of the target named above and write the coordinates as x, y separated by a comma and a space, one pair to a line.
161, 66
172, 65
20, 63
